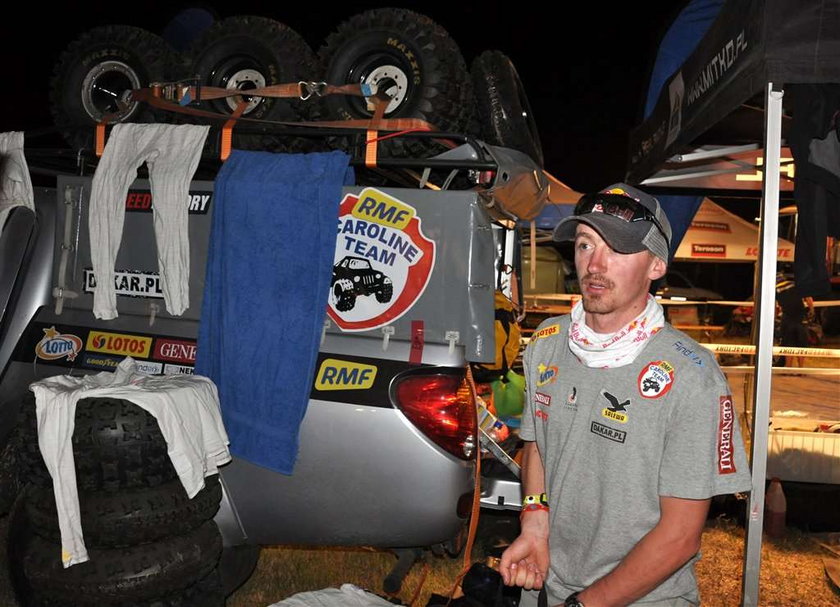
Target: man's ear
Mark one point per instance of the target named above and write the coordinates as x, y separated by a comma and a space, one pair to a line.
657, 269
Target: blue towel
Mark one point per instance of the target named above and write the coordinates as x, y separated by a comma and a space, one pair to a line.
269, 264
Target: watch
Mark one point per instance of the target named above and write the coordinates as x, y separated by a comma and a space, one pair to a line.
573, 601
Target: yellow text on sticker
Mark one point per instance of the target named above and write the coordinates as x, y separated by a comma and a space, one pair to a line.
344, 375
378, 207
547, 332
117, 343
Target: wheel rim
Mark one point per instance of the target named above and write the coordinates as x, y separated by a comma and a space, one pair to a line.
239, 73
107, 84
381, 70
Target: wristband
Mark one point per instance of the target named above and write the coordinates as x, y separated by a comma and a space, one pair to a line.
528, 500
533, 508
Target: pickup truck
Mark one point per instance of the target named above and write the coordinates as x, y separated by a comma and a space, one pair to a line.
388, 442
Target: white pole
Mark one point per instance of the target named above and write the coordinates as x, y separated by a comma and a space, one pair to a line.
766, 307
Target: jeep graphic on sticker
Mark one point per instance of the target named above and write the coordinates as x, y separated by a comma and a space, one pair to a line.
656, 379
382, 261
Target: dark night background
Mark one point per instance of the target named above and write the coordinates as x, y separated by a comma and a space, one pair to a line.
584, 67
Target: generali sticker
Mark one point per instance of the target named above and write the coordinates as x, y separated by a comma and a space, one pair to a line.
726, 460
382, 264
656, 379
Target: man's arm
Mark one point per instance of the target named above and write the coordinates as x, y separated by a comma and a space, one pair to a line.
525, 562
668, 546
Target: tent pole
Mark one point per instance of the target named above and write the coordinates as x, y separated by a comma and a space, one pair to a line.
765, 298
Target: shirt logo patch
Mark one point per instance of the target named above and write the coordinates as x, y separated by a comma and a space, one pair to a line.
688, 353
547, 375
656, 379
546, 332
619, 436
571, 401
616, 411
726, 461
543, 399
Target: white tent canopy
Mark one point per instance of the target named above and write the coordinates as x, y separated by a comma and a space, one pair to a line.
715, 234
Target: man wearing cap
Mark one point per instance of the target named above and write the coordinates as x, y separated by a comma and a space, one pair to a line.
629, 426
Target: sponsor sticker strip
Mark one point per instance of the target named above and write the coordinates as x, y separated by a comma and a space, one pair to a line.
777, 350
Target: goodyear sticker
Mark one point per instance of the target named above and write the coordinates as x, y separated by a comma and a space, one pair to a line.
382, 264
337, 374
656, 379
547, 375
117, 343
546, 332
55, 345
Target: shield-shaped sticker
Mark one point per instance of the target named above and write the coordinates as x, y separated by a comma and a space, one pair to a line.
382, 261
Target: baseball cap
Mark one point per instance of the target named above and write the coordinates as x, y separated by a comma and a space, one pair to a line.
628, 219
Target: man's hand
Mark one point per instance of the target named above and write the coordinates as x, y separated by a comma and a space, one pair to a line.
525, 562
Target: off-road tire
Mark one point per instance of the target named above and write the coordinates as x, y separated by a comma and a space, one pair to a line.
128, 517
415, 52
117, 445
343, 297
207, 592
97, 68
260, 52
385, 293
137, 573
505, 116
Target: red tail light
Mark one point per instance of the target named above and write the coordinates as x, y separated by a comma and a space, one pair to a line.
442, 408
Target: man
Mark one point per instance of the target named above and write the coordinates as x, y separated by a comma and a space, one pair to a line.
629, 427
795, 310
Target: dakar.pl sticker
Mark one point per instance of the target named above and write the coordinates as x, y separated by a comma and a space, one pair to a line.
382, 261
656, 379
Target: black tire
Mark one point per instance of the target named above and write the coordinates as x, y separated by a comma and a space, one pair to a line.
117, 445
128, 517
385, 294
343, 296
502, 106
116, 575
207, 592
419, 59
97, 69
247, 52
11, 482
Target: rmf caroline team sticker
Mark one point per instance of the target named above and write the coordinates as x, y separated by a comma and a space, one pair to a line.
55, 345
382, 261
656, 379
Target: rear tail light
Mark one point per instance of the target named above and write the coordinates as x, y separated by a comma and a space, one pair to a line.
442, 407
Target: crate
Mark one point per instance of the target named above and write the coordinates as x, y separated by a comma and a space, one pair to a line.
795, 453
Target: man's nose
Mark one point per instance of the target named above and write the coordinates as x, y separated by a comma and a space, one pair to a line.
597, 261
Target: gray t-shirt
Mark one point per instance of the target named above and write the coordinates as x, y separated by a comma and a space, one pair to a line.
613, 441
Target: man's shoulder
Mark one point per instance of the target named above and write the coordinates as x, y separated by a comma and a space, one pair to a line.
548, 331
685, 353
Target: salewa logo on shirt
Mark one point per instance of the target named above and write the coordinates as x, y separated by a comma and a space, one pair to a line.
617, 410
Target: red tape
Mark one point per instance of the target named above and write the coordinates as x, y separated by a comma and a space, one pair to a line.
415, 357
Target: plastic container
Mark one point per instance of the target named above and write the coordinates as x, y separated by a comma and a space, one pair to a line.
775, 509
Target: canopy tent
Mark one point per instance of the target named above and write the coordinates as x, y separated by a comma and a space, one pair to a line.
728, 96
715, 234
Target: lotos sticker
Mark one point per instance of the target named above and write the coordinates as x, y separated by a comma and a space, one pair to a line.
656, 379
546, 332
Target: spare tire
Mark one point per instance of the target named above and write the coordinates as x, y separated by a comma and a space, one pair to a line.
248, 52
416, 60
97, 70
135, 573
505, 116
127, 517
116, 445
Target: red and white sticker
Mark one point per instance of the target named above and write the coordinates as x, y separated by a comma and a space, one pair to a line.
543, 399
656, 379
382, 264
726, 459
